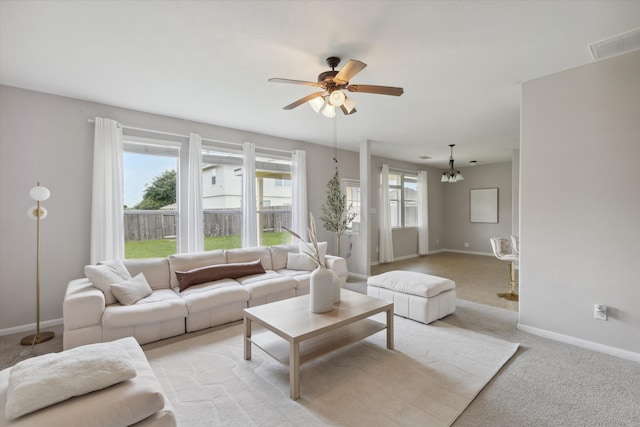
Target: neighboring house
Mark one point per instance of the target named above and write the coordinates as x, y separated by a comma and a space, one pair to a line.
222, 187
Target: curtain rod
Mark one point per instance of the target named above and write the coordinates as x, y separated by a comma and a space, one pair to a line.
401, 170
159, 132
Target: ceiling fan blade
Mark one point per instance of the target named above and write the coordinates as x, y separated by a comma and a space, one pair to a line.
297, 82
351, 68
380, 90
302, 101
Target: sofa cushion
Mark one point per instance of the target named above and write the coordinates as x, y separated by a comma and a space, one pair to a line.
105, 274
51, 378
300, 261
132, 290
186, 262
264, 284
250, 254
161, 305
214, 294
308, 248
279, 255
156, 271
217, 272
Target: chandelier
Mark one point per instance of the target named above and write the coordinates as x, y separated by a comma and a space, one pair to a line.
451, 175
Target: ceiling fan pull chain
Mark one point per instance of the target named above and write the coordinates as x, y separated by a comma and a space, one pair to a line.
335, 139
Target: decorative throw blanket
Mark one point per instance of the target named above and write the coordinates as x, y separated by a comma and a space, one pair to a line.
45, 380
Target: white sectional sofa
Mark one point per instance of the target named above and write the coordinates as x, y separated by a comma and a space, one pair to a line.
168, 311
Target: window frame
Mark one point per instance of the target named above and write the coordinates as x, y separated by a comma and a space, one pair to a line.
353, 183
402, 202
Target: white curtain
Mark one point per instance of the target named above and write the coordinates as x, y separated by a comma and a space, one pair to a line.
423, 213
191, 232
107, 205
385, 251
249, 218
299, 208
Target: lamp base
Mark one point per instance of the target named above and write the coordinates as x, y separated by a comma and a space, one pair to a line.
509, 296
37, 338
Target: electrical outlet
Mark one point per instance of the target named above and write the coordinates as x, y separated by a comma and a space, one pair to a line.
466, 245
600, 312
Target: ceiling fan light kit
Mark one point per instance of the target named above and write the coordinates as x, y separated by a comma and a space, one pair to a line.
451, 175
333, 83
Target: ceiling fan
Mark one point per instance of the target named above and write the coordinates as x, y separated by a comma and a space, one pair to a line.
333, 83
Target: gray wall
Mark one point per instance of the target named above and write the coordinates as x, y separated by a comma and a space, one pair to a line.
458, 229
49, 139
580, 202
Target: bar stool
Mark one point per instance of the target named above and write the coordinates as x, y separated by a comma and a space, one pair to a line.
502, 250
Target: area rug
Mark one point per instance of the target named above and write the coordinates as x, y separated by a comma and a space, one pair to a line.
430, 377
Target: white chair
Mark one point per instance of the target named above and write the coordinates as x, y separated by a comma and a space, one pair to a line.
515, 244
502, 250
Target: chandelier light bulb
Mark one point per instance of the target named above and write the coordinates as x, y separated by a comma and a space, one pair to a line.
336, 98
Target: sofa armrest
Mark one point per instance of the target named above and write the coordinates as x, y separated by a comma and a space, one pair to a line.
337, 264
83, 305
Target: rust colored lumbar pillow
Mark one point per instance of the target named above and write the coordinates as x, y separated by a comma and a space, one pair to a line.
217, 272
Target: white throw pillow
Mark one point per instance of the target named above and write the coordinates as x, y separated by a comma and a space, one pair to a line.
105, 274
131, 291
300, 262
322, 248
51, 378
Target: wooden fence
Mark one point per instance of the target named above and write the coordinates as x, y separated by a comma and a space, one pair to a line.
158, 225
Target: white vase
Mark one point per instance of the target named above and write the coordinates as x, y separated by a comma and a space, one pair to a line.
321, 290
336, 288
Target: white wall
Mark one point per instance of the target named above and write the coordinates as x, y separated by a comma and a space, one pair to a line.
49, 139
580, 202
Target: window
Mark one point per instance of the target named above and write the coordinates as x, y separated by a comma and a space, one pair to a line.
273, 199
352, 193
150, 211
403, 199
410, 202
222, 200
282, 182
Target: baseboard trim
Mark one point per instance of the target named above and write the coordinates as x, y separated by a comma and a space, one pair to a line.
469, 252
590, 345
31, 327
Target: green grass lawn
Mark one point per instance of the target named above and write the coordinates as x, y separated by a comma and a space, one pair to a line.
164, 248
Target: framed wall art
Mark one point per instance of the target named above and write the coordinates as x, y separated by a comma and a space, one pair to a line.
484, 205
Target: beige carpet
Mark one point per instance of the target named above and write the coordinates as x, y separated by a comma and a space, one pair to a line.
432, 375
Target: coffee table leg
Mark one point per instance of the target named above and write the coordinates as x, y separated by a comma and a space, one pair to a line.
390, 328
294, 371
247, 338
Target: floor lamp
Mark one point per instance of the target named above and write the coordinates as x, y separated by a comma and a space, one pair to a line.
39, 194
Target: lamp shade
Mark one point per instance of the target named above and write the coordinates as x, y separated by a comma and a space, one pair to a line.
329, 111
316, 103
336, 98
39, 193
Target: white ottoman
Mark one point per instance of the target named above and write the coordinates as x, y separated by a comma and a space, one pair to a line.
418, 296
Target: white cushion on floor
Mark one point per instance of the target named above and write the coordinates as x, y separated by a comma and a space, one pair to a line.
410, 282
122, 404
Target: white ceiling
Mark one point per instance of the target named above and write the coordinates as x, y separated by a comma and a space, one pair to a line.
460, 63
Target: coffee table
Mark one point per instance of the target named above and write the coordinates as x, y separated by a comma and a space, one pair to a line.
294, 335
